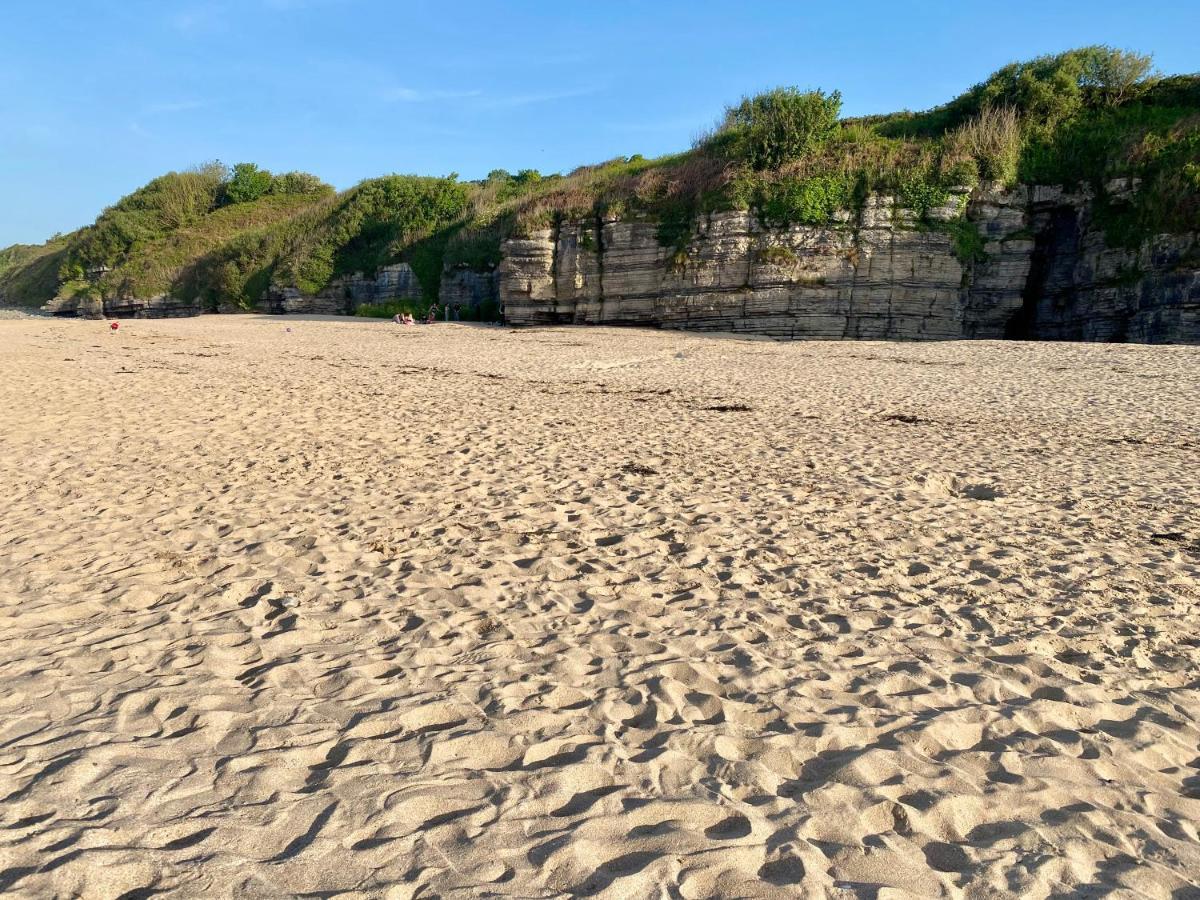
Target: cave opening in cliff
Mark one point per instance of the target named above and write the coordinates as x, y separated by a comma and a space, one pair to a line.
1052, 249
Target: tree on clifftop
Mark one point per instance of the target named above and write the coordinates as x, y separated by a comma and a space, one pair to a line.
247, 183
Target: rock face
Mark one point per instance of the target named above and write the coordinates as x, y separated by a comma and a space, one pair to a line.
877, 276
347, 293
1047, 274
81, 307
467, 289
158, 307
281, 300
1080, 289
396, 282
392, 283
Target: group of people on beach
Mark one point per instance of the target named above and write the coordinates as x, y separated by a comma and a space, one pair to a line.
406, 318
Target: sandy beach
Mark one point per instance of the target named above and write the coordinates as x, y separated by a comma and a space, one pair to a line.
343, 608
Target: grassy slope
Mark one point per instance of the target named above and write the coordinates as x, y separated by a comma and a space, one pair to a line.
156, 267
29, 273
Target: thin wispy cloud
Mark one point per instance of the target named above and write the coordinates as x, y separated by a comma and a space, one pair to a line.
517, 100
492, 59
206, 16
173, 106
416, 95
481, 99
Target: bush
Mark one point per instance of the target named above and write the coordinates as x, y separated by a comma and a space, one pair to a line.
477, 250
182, 198
313, 272
811, 201
247, 183
676, 224
992, 140
372, 224
775, 255
777, 127
29, 275
300, 183
1177, 90
961, 172
1115, 76
920, 192
969, 245
1045, 91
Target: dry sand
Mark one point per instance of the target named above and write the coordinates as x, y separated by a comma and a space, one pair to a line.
361, 610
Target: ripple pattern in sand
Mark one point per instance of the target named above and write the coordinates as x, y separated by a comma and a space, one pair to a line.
369, 611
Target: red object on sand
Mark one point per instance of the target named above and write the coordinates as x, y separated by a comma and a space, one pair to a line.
114, 326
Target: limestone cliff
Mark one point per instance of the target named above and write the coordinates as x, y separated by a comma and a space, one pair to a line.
1046, 271
878, 274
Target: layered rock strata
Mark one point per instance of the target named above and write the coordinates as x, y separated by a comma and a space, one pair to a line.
1046, 272
160, 306
876, 275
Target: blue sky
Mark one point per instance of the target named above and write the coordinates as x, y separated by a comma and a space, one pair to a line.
99, 96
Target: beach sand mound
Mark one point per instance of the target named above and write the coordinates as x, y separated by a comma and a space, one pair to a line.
345, 608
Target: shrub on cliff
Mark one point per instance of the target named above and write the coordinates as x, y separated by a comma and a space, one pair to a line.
1114, 76
1157, 145
299, 184
777, 127
207, 203
810, 201
247, 183
921, 192
991, 140
381, 216
1053, 89
1045, 91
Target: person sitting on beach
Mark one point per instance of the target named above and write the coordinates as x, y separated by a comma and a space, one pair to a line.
408, 319
432, 317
